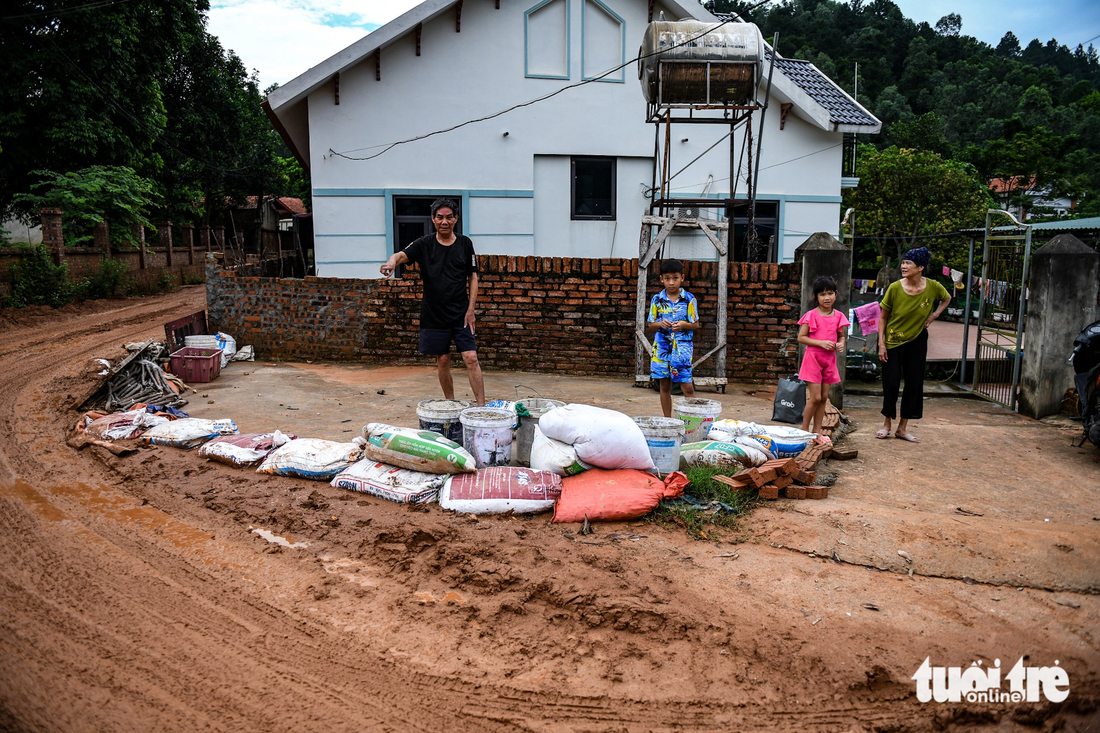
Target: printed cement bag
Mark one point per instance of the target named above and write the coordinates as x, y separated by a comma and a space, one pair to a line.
189, 432
759, 443
416, 450
603, 438
312, 458
500, 489
785, 442
123, 425
614, 495
779, 441
554, 456
719, 454
246, 449
390, 482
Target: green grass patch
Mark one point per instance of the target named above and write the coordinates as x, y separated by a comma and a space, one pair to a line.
709, 509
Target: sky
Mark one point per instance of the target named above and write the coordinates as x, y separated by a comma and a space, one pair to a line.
283, 38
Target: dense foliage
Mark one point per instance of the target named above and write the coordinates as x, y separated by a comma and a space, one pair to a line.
1027, 114
139, 85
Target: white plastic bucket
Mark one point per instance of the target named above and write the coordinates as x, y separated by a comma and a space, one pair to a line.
698, 415
487, 435
663, 435
525, 435
441, 416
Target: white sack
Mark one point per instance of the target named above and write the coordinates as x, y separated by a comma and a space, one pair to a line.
312, 458
501, 489
554, 456
189, 432
604, 438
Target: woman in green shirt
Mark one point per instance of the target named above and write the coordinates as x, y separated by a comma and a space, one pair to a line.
907, 311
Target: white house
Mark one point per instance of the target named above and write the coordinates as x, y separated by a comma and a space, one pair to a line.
566, 176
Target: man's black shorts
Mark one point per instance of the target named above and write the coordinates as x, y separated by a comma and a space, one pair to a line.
437, 341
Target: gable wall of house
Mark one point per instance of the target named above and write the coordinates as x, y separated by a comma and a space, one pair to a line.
515, 189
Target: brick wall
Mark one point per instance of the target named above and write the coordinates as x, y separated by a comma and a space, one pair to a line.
84, 262
556, 315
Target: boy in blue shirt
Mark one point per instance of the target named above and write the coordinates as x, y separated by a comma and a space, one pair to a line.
673, 315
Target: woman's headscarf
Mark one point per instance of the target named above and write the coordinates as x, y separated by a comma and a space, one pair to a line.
919, 256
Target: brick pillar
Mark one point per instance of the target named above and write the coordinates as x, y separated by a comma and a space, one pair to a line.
204, 237
137, 231
219, 238
101, 238
821, 254
164, 233
188, 232
52, 237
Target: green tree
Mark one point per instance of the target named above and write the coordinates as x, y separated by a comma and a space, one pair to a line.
904, 194
89, 196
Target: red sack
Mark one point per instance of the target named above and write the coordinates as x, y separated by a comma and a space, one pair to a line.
609, 496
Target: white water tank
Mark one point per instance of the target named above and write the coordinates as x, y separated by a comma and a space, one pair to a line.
692, 63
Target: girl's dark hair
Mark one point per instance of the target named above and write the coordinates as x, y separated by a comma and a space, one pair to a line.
671, 265
823, 283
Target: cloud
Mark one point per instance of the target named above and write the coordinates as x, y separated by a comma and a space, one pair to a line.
283, 38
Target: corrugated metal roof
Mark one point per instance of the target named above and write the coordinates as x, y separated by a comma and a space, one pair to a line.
1066, 225
842, 109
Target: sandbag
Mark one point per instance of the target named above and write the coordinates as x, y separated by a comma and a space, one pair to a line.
609, 496
554, 456
312, 458
719, 455
785, 442
189, 432
246, 449
123, 425
727, 430
603, 438
779, 441
416, 450
390, 482
500, 489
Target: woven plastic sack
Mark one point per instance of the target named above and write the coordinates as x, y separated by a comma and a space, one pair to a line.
416, 450
501, 489
390, 482
719, 455
610, 496
246, 449
189, 432
603, 438
312, 458
554, 456
779, 441
123, 425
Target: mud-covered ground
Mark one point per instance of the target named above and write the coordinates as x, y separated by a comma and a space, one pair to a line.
135, 593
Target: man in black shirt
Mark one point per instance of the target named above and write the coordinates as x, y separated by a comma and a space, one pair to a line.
447, 264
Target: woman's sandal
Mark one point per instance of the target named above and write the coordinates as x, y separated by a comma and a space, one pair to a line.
907, 436
882, 433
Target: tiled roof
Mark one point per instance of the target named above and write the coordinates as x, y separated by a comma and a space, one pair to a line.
842, 109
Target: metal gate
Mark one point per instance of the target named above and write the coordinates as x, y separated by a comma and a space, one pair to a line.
1006, 254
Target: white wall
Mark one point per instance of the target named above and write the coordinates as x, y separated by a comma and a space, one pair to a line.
20, 233
518, 185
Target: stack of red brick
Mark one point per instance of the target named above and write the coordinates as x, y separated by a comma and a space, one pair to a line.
781, 477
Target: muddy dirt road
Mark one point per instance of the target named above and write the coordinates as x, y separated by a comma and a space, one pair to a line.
135, 596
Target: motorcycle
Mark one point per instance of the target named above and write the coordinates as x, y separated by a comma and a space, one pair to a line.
1086, 370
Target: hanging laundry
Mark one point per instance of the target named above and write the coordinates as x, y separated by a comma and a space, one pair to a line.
946, 270
868, 315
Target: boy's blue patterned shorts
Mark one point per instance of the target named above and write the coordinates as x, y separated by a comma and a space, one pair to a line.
663, 370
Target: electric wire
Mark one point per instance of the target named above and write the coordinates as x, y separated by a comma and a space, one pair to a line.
66, 11
390, 146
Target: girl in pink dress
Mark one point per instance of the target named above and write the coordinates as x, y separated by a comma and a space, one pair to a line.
822, 331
